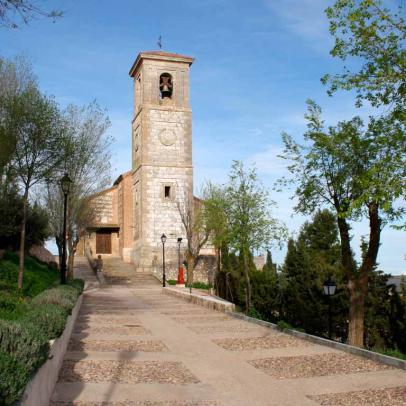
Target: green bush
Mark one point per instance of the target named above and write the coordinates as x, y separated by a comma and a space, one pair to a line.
25, 342
12, 306
172, 281
78, 284
64, 296
254, 313
50, 318
200, 285
284, 326
13, 379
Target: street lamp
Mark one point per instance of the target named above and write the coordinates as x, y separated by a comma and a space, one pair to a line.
65, 186
329, 289
179, 243
163, 240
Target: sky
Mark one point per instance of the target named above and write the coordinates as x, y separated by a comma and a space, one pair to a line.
255, 65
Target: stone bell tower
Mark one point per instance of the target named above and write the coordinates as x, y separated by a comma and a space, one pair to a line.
161, 154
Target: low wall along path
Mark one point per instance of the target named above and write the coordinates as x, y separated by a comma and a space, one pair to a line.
134, 345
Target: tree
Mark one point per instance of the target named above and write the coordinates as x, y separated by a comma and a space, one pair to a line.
34, 122
374, 37
15, 77
87, 162
310, 259
269, 265
14, 11
192, 214
250, 225
215, 203
359, 172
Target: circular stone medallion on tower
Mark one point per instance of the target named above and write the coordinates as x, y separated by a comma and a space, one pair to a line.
167, 137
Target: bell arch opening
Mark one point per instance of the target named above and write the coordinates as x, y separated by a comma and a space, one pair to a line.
166, 85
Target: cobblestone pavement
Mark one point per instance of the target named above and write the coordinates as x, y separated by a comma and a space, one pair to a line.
132, 345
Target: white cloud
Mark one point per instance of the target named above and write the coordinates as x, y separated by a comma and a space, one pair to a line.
305, 18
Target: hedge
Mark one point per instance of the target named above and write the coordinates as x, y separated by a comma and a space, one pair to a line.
13, 379
78, 284
50, 318
26, 342
64, 296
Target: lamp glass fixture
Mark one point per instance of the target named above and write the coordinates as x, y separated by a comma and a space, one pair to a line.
329, 287
65, 183
163, 238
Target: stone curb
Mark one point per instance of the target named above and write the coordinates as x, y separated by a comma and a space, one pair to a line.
204, 301
39, 389
384, 359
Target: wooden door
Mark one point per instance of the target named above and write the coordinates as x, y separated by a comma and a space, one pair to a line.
103, 242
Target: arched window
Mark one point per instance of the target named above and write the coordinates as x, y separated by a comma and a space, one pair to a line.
166, 85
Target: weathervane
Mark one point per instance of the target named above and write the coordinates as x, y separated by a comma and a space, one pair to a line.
159, 43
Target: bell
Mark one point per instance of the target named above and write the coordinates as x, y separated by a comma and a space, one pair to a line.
166, 90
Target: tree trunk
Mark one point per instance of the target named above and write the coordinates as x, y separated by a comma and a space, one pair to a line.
357, 312
59, 242
247, 280
71, 257
190, 264
358, 280
22, 240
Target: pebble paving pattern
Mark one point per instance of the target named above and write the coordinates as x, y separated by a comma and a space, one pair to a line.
135, 346
377, 397
223, 328
125, 372
117, 345
118, 330
316, 365
260, 343
138, 403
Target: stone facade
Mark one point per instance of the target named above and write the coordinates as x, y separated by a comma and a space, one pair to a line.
144, 203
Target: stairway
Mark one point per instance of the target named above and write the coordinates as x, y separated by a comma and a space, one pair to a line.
117, 272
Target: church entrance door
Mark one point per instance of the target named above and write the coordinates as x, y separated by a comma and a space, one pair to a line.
103, 242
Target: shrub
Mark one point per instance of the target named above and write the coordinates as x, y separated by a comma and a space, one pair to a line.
13, 379
200, 285
254, 313
12, 307
284, 326
64, 296
78, 284
25, 342
172, 282
50, 318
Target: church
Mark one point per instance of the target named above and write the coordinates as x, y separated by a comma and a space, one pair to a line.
143, 203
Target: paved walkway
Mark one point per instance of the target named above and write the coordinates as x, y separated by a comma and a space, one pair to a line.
132, 345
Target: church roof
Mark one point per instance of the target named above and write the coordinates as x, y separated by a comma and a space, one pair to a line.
159, 55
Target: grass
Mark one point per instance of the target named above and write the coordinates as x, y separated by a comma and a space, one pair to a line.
391, 353
37, 278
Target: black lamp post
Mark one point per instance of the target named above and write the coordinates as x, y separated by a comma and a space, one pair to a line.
163, 239
329, 289
179, 243
65, 186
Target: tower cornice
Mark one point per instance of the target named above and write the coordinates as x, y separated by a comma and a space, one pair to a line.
159, 56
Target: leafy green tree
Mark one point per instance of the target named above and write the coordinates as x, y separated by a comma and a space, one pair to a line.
309, 261
250, 225
373, 36
15, 77
34, 122
359, 172
11, 209
215, 204
269, 265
